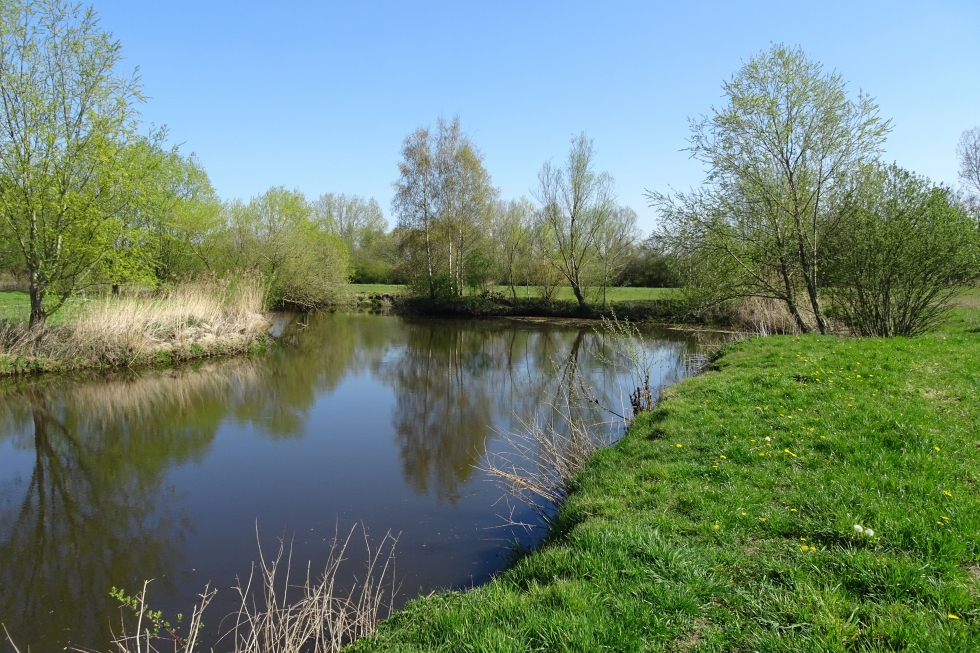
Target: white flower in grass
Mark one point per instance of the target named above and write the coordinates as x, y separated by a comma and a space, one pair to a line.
858, 528
861, 530
869, 532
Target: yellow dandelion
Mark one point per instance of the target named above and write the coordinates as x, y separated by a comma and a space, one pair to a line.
945, 517
716, 526
937, 448
792, 509
679, 445
723, 458
802, 539
947, 493
744, 514
952, 616
790, 453
762, 519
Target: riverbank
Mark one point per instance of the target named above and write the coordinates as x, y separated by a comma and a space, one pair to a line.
811, 493
191, 321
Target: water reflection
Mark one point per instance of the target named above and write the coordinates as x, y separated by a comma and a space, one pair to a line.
110, 480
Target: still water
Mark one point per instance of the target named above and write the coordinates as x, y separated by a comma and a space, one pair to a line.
110, 480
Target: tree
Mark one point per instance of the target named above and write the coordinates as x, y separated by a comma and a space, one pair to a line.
444, 201
511, 235
781, 156
188, 217
415, 196
357, 221
968, 153
277, 234
905, 250
66, 114
465, 196
576, 204
613, 245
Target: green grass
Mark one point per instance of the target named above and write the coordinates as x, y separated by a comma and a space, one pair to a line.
697, 533
565, 293
612, 294
376, 289
15, 306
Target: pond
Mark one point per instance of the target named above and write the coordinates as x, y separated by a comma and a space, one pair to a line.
349, 418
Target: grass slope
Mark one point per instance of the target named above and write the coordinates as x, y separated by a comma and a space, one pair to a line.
724, 520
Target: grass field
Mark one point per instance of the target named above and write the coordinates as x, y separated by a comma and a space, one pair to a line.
728, 519
15, 306
565, 293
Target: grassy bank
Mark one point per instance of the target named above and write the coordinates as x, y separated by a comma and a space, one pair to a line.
194, 320
727, 518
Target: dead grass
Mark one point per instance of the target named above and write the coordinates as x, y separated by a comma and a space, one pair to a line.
326, 616
190, 320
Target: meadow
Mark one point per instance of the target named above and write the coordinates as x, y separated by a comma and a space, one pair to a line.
563, 294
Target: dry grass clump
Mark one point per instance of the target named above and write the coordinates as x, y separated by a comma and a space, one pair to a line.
765, 316
324, 617
541, 459
191, 319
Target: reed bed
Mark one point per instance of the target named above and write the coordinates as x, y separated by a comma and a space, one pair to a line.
190, 320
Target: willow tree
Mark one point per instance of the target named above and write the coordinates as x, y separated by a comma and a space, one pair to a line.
780, 156
577, 206
66, 116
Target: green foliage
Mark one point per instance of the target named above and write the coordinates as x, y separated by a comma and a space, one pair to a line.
780, 155
478, 271
159, 628
67, 183
578, 207
648, 266
444, 199
902, 253
725, 520
278, 235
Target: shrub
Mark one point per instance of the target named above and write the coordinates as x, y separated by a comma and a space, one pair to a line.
903, 251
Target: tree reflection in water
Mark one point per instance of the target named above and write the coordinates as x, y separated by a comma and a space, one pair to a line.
88, 502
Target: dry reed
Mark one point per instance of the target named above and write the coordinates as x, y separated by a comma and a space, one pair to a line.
326, 616
192, 319
542, 458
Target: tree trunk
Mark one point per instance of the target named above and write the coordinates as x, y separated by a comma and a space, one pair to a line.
38, 316
578, 295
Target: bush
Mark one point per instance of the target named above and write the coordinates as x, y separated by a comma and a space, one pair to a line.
903, 251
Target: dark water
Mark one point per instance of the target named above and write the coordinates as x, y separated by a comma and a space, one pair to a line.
350, 418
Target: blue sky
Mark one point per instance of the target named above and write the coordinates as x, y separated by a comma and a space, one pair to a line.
319, 95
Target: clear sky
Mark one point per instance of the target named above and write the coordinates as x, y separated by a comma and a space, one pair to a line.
319, 95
